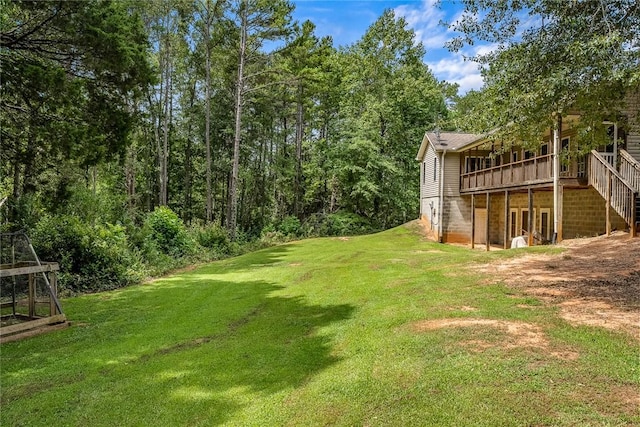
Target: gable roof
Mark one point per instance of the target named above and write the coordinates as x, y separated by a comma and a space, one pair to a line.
450, 141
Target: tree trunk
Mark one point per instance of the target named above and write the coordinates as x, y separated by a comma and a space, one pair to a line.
188, 211
299, 136
207, 123
233, 187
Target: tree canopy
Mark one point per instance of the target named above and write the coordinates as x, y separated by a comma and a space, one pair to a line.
551, 57
229, 113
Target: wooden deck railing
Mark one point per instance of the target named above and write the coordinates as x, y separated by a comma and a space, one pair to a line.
630, 169
613, 187
529, 171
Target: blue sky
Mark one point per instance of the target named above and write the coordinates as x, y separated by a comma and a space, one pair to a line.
347, 21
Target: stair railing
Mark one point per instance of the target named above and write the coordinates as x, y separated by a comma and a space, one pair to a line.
618, 193
630, 169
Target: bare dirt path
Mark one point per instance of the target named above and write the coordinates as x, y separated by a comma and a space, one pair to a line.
595, 281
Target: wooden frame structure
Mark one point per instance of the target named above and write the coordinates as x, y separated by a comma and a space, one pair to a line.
619, 189
31, 323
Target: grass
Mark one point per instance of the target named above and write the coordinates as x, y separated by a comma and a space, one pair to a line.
320, 332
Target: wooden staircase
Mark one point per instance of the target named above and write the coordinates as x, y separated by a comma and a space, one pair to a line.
619, 189
630, 171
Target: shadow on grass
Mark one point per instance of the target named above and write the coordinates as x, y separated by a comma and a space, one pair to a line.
262, 258
194, 352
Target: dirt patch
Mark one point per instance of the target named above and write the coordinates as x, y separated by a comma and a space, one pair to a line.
519, 334
462, 308
595, 281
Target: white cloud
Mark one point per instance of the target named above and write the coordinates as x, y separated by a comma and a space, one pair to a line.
455, 69
484, 49
425, 19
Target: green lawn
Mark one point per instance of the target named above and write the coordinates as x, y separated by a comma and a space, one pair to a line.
321, 332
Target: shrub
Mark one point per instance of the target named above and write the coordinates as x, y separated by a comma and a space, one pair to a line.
91, 257
215, 237
337, 224
289, 226
166, 232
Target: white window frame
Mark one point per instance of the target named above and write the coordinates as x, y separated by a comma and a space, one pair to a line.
533, 223
513, 211
548, 212
564, 166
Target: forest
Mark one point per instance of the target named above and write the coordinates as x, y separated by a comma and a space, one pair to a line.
141, 136
136, 133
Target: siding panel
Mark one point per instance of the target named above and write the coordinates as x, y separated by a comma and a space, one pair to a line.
452, 174
633, 138
428, 186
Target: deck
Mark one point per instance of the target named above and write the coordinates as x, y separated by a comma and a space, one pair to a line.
534, 171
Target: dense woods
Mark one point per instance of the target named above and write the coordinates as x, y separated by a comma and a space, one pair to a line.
137, 136
127, 125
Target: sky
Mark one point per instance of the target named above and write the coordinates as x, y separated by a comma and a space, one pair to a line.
347, 21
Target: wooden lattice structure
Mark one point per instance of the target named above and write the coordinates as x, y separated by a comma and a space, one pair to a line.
29, 301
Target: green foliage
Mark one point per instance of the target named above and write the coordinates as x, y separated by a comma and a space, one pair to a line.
392, 97
91, 257
337, 224
69, 71
215, 237
167, 233
581, 59
289, 226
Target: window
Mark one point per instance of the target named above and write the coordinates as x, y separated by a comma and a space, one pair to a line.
544, 149
564, 150
524, 220
513, 223
435, 169
473, 164
514, 156
545, 221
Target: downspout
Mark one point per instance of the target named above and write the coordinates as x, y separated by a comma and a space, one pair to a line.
440, 228
556, 176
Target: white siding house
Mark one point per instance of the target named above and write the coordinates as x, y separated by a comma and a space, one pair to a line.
440, 187
474, 189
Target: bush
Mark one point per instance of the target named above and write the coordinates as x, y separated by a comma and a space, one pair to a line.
166, 232
337, 224
289, 226
91, 257
215, 237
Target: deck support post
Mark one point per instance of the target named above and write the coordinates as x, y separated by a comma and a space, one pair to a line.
506, 219
530, 222
488, 221
560, 209
473, 220
634, 218
557, 131
608, 204
53, 281
32, 295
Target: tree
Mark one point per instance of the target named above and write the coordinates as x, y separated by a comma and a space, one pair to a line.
392, 96
165, 27
70, 71
258, 21
209, 13
303, 63
579, 55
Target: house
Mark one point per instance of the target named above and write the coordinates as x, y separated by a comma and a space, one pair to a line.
475, 190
